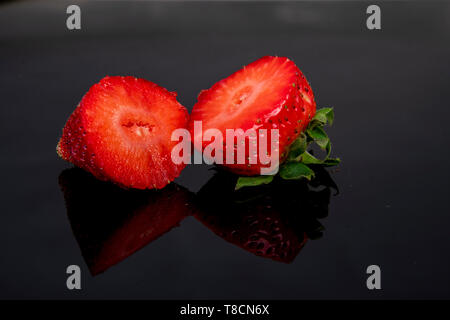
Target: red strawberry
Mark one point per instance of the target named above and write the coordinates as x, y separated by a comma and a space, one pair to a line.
270, 93
110, 223
121, 131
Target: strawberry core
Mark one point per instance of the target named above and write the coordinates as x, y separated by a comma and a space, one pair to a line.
139, 128
241, 95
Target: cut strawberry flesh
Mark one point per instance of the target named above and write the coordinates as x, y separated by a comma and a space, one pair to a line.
247, 95
127, 124
270, 93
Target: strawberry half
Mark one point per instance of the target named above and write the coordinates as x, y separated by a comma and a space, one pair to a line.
121, 132
270, 93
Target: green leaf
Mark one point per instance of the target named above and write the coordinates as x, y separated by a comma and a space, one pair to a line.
324, 144
324, 115
319, 136
331, 162
298, 147
317, 133
295, 171
252, 181
328, 148
308, 158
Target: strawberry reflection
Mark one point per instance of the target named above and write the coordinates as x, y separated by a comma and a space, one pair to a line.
111, 223
273, 221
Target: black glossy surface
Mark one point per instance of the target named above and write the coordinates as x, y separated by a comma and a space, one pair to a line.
390, 91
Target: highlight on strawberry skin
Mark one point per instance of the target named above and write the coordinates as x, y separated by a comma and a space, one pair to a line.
121, 132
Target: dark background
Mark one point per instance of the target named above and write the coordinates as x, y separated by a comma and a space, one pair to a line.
390, 91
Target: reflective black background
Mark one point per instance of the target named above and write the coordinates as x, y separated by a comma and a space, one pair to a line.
390, 91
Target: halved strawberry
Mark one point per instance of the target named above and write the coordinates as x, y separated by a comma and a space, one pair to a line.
270, 93
121, 131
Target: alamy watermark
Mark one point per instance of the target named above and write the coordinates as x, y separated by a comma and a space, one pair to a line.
73, 21
373, 22
239, 147
74, 279
374, 280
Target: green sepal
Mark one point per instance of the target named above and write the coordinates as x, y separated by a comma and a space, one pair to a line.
330, 162
324, 115
319, 136
328, 148
252, 181
308, 158
298, 147
295, 171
